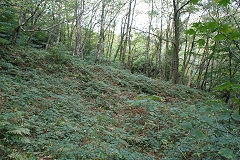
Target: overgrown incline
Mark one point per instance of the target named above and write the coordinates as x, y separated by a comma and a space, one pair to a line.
55, 106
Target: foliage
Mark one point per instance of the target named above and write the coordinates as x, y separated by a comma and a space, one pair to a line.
11, 134
90, 111
57, 54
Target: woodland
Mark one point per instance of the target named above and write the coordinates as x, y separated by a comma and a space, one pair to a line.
119, 79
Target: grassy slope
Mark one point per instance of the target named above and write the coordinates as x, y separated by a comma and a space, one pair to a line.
76, 110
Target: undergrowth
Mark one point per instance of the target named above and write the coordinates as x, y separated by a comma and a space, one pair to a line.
55, 106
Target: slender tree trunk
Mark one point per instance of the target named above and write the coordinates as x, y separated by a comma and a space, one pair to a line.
185, 54
88, 33
111, 44
49, 39
175, 57
18, 28
168, 35
35, 20
78, 33
129, 37
70, 44
211, 77
203, 85
147, 59
191, 73
59, 34
202, 63
127, 32
76, 48
187, 59
59, 26
119, 49
101, 38
15, 35
68, 29
160, 45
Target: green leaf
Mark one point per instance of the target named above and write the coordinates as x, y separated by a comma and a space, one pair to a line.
206, 119
234, 34
186, 126
224, 28
197, 24
25, 140
236, 87
139, 97
224, 117
20, 131
198, 134
219, 37
224, 86
212, 26
201, 42
202, 27
236, 116
223, 2
190, 32
227, 153
4, 41
194, 1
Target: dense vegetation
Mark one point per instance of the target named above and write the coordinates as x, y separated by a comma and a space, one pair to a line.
82, 79
59, 107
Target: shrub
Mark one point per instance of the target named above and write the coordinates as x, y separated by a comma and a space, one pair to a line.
57, 55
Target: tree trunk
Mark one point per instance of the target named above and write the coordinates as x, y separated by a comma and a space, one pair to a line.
15, 35
211, 77
49, 39
18, 28
203, 85
58, 34
119, 49
127, 32
102, 30
111, 44
129, 38
167, 50
147, 60
187, 59
202, 63
35, 22
191, 73
175, 57
159, 62
78, 34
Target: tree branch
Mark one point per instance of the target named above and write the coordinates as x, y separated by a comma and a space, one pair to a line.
183, 6
47, 28
159, 37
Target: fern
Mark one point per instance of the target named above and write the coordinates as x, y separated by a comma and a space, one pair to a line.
19, 131
13, 134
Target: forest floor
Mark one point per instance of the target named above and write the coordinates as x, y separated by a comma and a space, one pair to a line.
55, 106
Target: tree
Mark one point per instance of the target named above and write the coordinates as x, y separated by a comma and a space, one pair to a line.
176, 20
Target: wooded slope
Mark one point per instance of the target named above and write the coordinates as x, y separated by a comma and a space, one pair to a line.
55, 106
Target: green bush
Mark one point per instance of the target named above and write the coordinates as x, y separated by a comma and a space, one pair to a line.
57, 55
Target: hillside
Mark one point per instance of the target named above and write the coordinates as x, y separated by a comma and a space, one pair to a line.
55, 106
